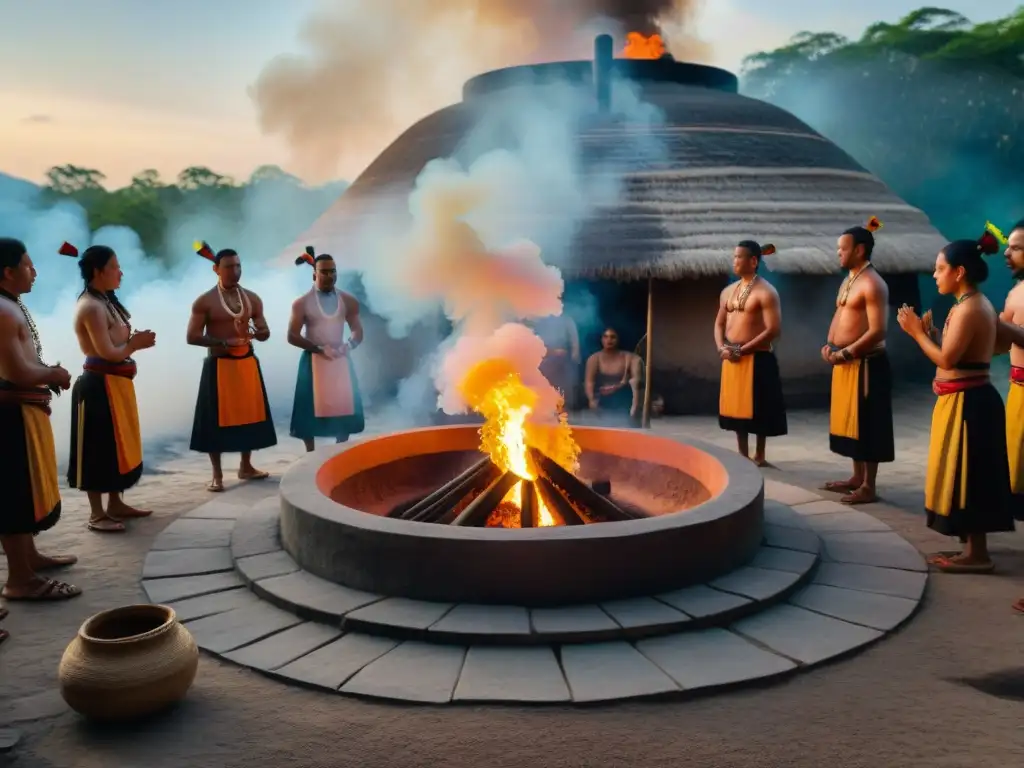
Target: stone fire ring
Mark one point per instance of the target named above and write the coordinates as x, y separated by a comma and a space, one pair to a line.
534, 567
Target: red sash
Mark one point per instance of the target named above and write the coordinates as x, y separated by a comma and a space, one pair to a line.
951, 386
125, 369
11, 395
1016, 374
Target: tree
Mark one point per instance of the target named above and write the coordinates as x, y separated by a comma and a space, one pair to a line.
933, 105
201, 177
273, 173
147, 179
70, 179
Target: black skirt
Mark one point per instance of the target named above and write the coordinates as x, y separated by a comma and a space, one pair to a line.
763, 396
216, 429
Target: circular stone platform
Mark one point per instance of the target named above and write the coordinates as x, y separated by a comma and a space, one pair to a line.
704, 506
826, 581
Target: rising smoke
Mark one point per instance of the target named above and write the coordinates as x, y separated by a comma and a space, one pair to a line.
490, 227
373, 67
159, 297
482, 231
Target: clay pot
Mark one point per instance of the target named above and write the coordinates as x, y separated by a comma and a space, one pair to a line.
128, 663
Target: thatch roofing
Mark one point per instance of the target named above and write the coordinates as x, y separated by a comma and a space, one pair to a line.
727, 168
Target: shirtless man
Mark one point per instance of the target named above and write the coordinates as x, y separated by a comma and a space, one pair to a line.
1012, 320
327, 401
860, 425
232, 410
31, 501
749, 320
106, 442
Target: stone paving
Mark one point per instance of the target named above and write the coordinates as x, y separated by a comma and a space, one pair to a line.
944, 690
310, 631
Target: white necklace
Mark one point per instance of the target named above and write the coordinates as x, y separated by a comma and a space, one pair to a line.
243, 302
320, 306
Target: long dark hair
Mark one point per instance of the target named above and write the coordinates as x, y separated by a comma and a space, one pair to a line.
95, 258
970, 254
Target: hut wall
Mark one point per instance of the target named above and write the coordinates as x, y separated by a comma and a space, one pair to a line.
687, 367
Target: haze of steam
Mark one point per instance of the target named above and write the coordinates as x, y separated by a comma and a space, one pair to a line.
160, 297
372, 68
489, 228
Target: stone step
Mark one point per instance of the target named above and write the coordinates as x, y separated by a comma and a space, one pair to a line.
774, 643
784, 563
864, 581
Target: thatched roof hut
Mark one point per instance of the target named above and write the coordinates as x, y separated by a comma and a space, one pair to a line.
735, 168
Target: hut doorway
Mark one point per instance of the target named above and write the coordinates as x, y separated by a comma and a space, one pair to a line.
596, 305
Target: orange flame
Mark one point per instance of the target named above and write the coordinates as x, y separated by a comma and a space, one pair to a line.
640, 46
494, 390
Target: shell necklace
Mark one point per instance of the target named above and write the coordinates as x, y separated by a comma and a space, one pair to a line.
847, 286
738, 304
320, 305
243, 302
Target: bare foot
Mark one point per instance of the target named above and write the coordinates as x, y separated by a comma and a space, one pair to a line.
118, 510
43, 562
41, 590
862, 495
1019, 605
251, 473
963, 564
842, 486
216, 485
106, 525
761, 461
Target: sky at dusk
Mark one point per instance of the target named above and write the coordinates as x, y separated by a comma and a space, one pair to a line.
123, 85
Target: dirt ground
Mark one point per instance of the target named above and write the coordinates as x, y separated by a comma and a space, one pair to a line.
947, 691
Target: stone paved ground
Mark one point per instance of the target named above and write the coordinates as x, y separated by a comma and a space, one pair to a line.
945, 692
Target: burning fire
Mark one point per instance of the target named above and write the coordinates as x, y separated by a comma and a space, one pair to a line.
639, 46
494, 389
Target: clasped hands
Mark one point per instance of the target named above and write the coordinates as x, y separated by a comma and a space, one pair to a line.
245, 332
913, 325
731, 352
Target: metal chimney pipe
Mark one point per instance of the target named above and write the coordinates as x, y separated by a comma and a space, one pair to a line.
604, 53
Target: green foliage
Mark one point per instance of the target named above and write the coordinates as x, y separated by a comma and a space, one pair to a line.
154, 208
933, 105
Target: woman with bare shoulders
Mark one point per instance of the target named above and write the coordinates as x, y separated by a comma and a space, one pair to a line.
967, 490
106, 441
612, 382
28, 473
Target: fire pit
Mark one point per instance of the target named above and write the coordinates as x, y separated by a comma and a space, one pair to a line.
420, 514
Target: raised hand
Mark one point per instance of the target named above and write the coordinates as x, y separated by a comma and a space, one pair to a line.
909, 321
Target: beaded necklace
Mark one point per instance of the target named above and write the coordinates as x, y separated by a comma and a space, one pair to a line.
847, 286
735, 304
33, 331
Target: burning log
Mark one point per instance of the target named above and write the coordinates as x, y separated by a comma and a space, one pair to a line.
578, 490
449, 494
557, 503
481, 507
528, 506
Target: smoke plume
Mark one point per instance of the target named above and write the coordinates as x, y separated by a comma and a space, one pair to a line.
373, 67
159, 296
490, 228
